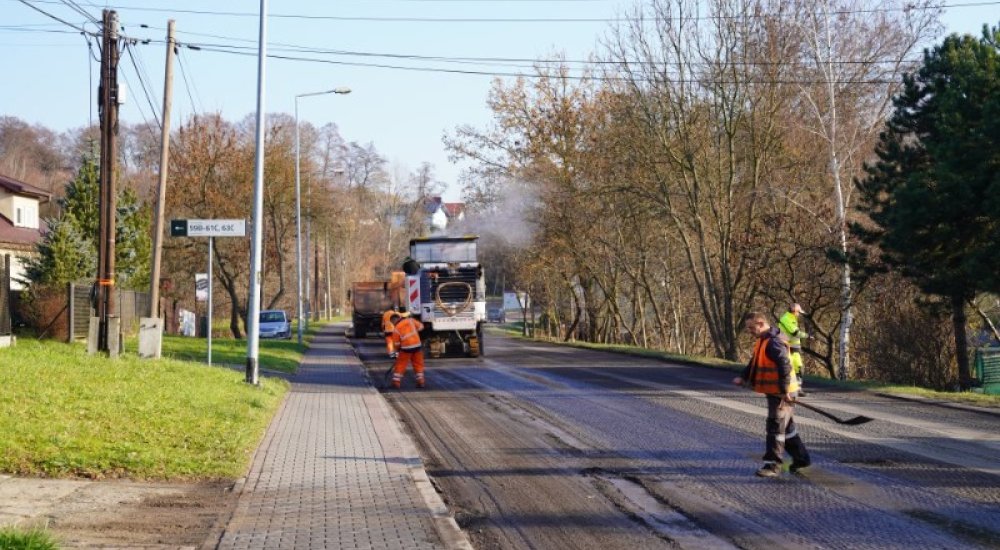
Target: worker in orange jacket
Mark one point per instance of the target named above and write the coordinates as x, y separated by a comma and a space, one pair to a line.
770, 372
387, 329
406, 335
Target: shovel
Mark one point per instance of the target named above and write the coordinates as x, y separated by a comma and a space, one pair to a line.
856, 421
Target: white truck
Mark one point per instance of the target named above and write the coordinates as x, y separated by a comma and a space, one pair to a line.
446, 291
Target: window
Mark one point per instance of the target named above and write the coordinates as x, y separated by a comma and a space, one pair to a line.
19, 221
444, 252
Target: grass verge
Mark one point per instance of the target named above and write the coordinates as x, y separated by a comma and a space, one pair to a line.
969, 398
64, 413
36, 539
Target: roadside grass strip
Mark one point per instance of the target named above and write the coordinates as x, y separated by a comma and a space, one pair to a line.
17, 539
515, 330
278, 355
64, 413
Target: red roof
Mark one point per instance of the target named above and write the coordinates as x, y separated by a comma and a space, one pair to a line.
453, 208
21, 188
19, 236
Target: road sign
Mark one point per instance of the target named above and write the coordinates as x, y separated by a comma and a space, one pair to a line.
208, 228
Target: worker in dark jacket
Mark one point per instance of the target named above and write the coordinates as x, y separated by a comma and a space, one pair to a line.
770, 372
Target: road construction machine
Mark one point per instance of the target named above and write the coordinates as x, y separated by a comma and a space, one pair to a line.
370, 299
446, 291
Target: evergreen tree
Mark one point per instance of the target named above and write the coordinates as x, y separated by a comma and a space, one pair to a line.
933, 197
68, 251
134, 246
65, 255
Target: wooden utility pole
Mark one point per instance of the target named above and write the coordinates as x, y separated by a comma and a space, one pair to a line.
161, 192
109, 154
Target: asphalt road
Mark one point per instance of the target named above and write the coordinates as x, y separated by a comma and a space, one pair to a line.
544, 446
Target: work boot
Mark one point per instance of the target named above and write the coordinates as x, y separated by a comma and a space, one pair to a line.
396, 384
421, 384
798, 465
769, 469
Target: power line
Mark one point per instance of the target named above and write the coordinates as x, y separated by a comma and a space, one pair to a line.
505, 61
142, 84
76, 7
194, 106
51, 16
906, 8
528, 75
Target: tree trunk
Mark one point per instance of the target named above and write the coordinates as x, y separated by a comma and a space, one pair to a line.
961, 343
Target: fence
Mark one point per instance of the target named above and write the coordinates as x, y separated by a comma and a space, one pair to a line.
988, 369
5, 323
131, 305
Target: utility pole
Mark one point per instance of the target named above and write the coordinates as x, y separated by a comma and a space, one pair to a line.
109, 154
161, 192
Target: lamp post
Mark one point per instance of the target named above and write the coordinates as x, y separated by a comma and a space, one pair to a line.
298, 202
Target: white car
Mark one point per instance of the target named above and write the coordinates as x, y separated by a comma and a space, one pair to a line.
274, 323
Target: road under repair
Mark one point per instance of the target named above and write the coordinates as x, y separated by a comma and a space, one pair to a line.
545, 446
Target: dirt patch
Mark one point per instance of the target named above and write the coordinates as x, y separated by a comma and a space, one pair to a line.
119, 514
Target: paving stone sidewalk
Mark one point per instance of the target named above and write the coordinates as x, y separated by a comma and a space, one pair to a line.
335, 469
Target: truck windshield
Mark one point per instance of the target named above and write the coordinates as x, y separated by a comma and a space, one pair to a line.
444, 252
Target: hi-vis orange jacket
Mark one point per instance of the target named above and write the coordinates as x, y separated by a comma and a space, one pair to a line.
386, 322
769, 370
407, 333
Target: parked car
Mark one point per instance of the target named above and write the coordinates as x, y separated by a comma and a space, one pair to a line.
274, 323
496, 315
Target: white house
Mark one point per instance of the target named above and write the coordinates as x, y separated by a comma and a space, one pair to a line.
440, 214
20, 226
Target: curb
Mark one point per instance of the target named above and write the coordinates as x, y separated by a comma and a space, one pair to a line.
946, 404
443, 520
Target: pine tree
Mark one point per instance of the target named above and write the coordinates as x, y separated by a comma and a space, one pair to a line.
68, 252
65, 255
932, 197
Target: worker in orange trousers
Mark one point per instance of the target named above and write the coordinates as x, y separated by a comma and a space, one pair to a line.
406, 335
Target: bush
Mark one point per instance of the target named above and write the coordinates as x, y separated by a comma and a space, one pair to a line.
901, 339
45, 311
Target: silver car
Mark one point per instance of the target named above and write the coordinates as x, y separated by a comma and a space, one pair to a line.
274, 323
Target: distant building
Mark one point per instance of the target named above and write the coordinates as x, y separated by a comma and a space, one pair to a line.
21, 229
441, 214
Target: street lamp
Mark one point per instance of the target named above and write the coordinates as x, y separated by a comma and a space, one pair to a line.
298, 201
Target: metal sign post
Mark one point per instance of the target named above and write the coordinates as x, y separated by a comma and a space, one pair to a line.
210, 229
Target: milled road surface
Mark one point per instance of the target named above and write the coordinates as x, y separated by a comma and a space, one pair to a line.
543, 446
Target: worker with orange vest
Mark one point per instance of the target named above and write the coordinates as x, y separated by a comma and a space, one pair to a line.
770, 372
406, 334
387, 329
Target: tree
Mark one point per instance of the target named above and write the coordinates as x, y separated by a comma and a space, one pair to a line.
68, 251
845, 103
64, 255
932, 196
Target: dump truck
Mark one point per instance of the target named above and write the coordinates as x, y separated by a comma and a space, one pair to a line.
446, 291
370, 299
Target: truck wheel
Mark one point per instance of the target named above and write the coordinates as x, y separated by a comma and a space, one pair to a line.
479, 338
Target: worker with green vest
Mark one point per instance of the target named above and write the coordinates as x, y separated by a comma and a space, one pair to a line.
789, 326
770, 372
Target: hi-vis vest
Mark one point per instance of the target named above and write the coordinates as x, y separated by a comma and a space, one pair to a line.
789, 325
408, 332
764, 375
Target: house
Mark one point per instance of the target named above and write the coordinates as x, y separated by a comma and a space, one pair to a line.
441, 214
21, 228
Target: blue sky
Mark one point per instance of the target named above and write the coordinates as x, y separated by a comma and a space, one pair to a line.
404, 112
